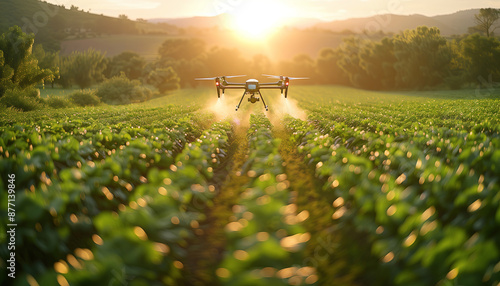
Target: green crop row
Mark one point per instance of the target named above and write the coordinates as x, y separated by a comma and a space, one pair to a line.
81, 227
265, 238
144, 242
62, 183
402, 212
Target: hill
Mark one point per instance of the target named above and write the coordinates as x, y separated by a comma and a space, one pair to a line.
53, 23
451, 24
223, 21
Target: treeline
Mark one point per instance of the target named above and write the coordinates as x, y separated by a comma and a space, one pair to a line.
121, 79
414, 59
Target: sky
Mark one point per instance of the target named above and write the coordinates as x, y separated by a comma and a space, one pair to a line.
322, 9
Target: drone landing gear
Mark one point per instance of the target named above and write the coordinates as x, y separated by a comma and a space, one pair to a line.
238, 106
253, 99
260, 94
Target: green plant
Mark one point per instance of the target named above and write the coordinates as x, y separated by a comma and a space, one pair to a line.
121, 90
84, 98
58, 102
24, 100
19, 69
165, 79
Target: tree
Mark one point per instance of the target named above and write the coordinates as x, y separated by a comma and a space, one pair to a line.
18, 67
483, 58
179, 48
423, 58
350, 61
369, 64
121, 90
301, 65
260, 65
378, 60
187, 70
328, 69
485, 21
6, 74
224, 61
47, 60
82, 68
130, 63
165, 79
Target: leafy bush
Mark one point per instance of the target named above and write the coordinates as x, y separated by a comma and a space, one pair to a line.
82, 68
24, 100
165, 79
84, 98
121, 90
58, 102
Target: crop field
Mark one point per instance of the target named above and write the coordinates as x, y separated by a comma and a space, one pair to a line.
334, 186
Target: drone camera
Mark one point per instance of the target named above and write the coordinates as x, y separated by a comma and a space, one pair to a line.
253, 99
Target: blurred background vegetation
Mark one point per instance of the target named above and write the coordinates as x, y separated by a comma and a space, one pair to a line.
73, 48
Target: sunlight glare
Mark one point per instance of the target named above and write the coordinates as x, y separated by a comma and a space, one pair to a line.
258, 19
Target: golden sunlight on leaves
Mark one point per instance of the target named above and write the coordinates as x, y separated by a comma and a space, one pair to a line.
474, 206
74, 262
339, 213
223, 273
140, 233
234, 226
62, 281
240, 255
162, 248
85, 254
338, 202
61, 267
452, 274
31, 280
97, 239
388, 257
262, 236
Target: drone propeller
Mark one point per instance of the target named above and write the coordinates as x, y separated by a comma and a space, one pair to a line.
206, 78
281, 77
273, 76
212, 78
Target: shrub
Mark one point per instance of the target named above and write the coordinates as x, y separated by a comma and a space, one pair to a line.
24, 100
58, 102
121, 90
165, 79
84, 98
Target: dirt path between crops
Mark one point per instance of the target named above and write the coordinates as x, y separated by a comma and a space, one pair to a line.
206, 251
304, 190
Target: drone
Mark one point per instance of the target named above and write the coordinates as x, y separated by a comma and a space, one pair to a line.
252, 87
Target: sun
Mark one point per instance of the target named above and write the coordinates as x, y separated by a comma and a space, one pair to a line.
258, 19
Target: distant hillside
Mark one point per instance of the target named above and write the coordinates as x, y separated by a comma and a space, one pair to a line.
452, 24
196, 22
460, 21
52, 23
223, 21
